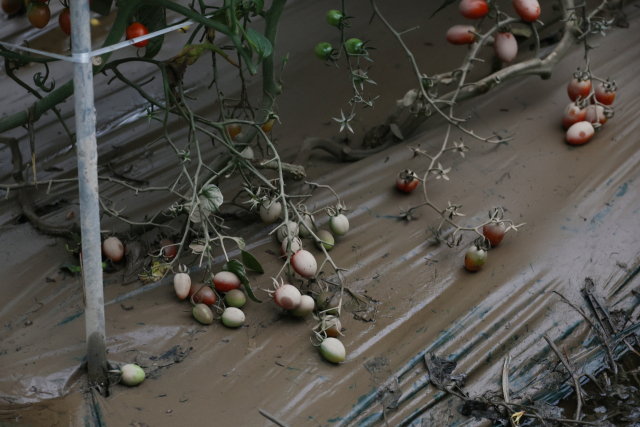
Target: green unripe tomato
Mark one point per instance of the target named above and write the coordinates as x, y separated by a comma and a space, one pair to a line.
354, 46
323, 51
334, 17
235, 298
327, 237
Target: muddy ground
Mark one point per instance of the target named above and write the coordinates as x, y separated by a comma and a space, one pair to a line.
580, 205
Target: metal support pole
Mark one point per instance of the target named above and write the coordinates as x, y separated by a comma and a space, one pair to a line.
88, 183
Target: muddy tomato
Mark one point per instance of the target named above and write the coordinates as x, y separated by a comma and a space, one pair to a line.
234, 130
11, 6
603, 95
328, 302
64, 20
475, 258
473, 9
112, 248
580, 133
296, 245
287, 297
202, 314
528, 10
270, 212
304, 263
169, 249
226, 281
132, 375
333, 350
202, 294
505, 47
461, 34
578, 89
494, 232
307, 304
137, 30
327, 240
235, 298
595, 114
339, 224
407, 181
232, 317
572, 115
333, 329
182, 285
38, 14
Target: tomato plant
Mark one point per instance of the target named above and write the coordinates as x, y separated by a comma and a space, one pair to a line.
354, 47
572, 115
528, 10
461, 34
505, 47
323, 51
475, 257
234, 130
578, 89
137, 30
605, 94
580, 133
494, 232
226, 281
202, 294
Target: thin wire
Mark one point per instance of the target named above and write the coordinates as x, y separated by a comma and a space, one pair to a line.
85, 58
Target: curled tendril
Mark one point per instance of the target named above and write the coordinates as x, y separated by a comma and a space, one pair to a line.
41, 81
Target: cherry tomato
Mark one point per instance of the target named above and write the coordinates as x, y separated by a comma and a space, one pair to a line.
169, 249
11, 6
323, 51
603, 95
354, 46
137, 30
528, 10
268, 126
572, 115
578, 88
460, 34
473, 9
505, 47
39, 14
580, 133
204, 295
494, 232
334, 17
64, 19
234, 130
407, 181
595, 114
475, 258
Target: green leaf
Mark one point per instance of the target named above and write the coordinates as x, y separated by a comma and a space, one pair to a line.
442, 6
103, 7
259, 6
154, 19
237, 268
71, 268
211, 197
251, 262
259, 43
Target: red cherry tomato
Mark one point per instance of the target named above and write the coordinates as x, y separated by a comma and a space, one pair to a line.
459, 34
595, 114
473, 9
204, 295
578, 88
268, 126
137, 30
407, 181
603, 95
505, 46
169, 249
494, 232
64, 19
528, 10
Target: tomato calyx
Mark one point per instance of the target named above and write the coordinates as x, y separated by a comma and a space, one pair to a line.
407, 176
482, 244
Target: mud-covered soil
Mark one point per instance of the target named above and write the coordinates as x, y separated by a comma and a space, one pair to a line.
580, 205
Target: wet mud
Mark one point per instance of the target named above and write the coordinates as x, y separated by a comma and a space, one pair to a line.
580, 205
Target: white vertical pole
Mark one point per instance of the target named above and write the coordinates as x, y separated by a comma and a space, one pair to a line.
88, 184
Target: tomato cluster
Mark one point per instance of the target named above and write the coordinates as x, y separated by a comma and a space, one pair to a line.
589, 108
505, 44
